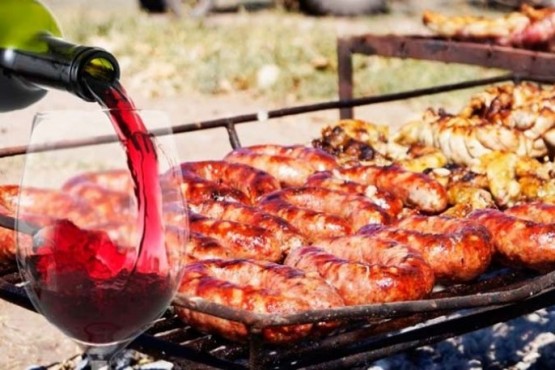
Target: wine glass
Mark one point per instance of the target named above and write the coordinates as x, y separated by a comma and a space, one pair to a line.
101, 263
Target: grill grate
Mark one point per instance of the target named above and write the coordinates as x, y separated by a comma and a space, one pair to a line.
357, 341
368, 332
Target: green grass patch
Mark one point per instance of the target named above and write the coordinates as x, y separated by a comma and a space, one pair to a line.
226, 54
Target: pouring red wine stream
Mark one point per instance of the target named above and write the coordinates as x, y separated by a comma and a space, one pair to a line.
143, 164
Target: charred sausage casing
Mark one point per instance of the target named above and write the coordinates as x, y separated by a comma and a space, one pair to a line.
259, 287
322, 213
457, 250
195, 190
291, 165
251, 182
367, 270
539, 212
287, 236
414, 189
519, 242
385, 200
243, 240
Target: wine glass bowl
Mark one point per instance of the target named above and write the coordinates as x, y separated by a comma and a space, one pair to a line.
100, 265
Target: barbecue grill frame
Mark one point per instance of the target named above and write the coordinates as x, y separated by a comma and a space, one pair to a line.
519, 61
393, 330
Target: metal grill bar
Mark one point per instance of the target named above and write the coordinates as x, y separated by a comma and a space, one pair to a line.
518, 61
229, 122
385, 310
391, 344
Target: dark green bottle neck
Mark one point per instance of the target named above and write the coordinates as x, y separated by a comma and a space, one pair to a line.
63, 66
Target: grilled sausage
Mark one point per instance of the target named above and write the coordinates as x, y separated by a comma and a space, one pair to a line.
457, 250
291, 165
243, 240
519, 242
414, 189
39, 207
114, 180
534, 211
321, 213
367, 270
385, 200
189, 246
259, 287
195, 190
110, 205
7, 238
202, 247
317, 158
240, 239
33, 203
287, 236
251, 182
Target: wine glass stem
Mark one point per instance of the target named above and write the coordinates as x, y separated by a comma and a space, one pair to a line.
98, 361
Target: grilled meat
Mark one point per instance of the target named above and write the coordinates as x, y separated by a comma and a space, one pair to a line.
291, 165
366, 270
527, 28
259, 287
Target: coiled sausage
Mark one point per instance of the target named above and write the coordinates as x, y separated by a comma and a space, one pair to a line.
519, 242
259, 287
414, 189
291, 165
367, 270
321, 213
457, 250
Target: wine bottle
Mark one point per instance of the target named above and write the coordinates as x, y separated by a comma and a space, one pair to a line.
34, 57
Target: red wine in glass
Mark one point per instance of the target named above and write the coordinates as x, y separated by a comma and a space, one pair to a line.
100, 292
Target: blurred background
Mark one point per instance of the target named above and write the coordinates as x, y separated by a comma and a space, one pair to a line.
262, 48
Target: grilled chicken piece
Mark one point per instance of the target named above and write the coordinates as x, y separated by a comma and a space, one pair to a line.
474, 27
527, 107
421, 158
355, 141
467, 198
463, 140
513, 179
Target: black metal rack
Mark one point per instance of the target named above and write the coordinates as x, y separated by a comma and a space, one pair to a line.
520, 61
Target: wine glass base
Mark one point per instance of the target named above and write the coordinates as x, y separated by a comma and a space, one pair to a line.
126, 359
101, 357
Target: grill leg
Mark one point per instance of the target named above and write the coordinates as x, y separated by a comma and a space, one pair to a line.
345, 75
233, 136
256, 353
